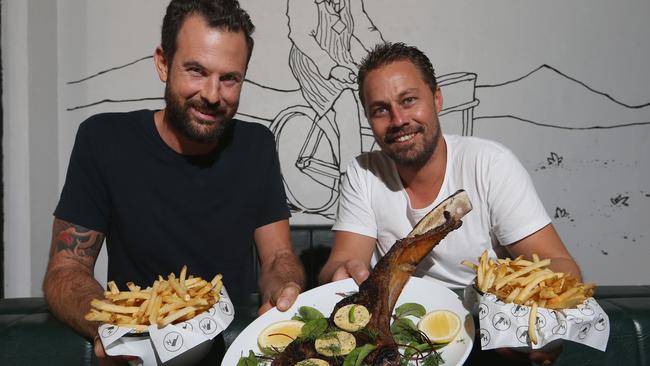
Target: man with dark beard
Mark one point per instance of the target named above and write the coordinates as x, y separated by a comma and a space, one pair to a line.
186, 185
385, 193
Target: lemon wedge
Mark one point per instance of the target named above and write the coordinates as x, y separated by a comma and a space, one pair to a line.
277, 336
441, 326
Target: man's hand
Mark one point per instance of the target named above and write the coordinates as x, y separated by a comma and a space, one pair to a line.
282, 276
105, 360
343, 74
283, 298
99, 348
350, 257
354, 268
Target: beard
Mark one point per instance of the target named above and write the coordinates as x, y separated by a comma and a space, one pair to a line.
411, 156
200, 131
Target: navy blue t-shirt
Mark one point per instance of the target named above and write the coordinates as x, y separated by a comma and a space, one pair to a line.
161, 210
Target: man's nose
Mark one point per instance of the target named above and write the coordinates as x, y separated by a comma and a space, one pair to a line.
398, 117
211, 91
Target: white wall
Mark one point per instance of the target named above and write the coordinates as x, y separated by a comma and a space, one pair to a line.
30, 147
593, 181
17, 236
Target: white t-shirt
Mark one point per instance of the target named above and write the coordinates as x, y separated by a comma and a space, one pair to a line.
506, 207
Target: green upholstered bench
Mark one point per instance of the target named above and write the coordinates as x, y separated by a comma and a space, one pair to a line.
628, 308
30, 335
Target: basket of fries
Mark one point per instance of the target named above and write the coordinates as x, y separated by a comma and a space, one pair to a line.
523, 304
172, 319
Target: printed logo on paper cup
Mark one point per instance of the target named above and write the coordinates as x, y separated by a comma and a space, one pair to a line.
483, 311
223, 293
522, 334
225, 308
485, 337
208, 326
186, 326
109, 331
500, 321
560, 328
586, 310
591, 302
601, 323
173, 341
541, 321
519, 310
212, 311
584, 331
574, 319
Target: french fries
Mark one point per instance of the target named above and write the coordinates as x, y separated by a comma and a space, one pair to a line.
167, 301
529, 283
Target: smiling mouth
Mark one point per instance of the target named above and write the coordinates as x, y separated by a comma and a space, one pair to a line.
205, 116
404, 138
400, 139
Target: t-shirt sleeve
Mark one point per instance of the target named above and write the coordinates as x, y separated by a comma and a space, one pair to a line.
273, 197
84, 199
515, 208
355, 213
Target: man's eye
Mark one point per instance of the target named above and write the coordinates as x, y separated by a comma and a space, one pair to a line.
409, 100
379, 111
195, 71
230, 79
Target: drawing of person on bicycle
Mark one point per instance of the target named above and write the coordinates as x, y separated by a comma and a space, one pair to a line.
329, 38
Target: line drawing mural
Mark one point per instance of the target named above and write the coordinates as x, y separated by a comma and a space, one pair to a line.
309, 136
583, 145
328, 40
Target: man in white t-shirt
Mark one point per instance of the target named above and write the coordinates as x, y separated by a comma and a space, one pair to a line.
385, 193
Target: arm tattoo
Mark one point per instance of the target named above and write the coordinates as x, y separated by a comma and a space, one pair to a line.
76, 240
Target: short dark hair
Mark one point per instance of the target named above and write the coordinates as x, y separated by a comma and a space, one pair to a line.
226, 14
386, 53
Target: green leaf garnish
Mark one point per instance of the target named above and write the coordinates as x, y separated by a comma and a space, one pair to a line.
250, 360
372, 334
313, 329
307, 313
410, 308
414, 348
404, 331
356, 357
351, 314
434, 359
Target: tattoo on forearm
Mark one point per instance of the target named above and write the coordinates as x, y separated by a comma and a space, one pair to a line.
76, 240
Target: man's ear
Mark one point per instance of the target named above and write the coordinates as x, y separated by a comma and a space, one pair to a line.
437, 99
162, 66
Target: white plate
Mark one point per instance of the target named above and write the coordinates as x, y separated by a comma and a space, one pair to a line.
427, 293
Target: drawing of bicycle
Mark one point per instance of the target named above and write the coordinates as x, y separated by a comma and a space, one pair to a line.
309, 146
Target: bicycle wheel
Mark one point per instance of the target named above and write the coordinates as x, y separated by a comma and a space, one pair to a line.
309, 167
